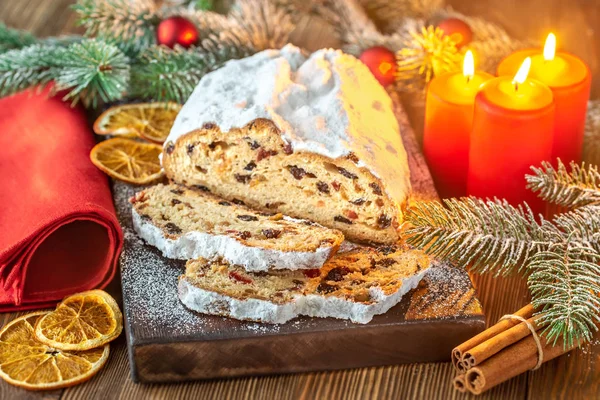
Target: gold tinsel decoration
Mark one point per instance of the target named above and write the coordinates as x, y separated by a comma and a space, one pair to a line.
426, 54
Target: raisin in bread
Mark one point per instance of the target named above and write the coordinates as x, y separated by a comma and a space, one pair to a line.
186, 224
355, 285
313, 138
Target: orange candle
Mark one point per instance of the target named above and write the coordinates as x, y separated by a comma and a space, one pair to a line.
513, 124
448, 120
570, 80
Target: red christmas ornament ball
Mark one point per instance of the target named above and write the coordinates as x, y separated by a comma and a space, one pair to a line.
381, 62
176, 30
457, 29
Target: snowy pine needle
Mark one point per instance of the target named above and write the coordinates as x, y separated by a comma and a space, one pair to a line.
489, 236
162, 74
92, 70
131, 23
559, 257
565, 288
14, 39
582, 224
88, 70
575, 188
22, 68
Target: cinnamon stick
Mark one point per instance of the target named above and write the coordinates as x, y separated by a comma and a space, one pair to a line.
485, 350
510, 362
459, 383
458, 352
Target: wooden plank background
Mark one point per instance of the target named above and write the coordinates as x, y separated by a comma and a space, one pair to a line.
575, 375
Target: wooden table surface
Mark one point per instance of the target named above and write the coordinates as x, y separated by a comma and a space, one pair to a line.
575, 375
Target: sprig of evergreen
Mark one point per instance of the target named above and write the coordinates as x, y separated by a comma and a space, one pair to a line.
575, 188
14, 39
564, 282
162, 74
489, 236
582, 224
88, 70
92, 70
130, 24
560, 257
22, 68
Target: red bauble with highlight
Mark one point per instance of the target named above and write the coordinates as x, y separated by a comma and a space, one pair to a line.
458, 30
176, 31
382, 64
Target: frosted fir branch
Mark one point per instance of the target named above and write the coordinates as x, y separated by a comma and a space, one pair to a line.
23, 68
130, 23
14, 39
575, 188
488, 236
582, 225
162, 74
93, 70
565, 286
266, 25
89, 70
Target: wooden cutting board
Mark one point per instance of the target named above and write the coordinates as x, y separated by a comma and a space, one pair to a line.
168, 343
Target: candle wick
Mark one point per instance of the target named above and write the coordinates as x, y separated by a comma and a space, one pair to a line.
469, 78
516, 86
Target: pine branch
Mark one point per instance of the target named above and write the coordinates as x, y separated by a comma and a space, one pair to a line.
266, 25
582, 224
130, 23
23, 68
92, 70
579, 187
490, 236
565, 288
560, 257
162, 74
14, 39
88, 70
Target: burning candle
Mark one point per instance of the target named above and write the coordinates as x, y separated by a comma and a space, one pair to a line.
448, 119
513, 124
570, 79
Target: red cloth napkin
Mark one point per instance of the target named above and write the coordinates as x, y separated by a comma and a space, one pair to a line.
58, 230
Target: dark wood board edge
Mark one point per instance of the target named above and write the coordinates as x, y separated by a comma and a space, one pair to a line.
386, 345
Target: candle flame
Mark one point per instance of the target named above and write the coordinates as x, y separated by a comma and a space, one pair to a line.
469, 65
550, 47
521, 74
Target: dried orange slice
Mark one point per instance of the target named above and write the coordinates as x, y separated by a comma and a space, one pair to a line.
30, 364
152, 121
82, 321
128, 160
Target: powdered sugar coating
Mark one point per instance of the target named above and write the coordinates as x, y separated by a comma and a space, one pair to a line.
196, 244
312, 305
328, 104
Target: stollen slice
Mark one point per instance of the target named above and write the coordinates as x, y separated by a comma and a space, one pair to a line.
188, 223
354, 285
